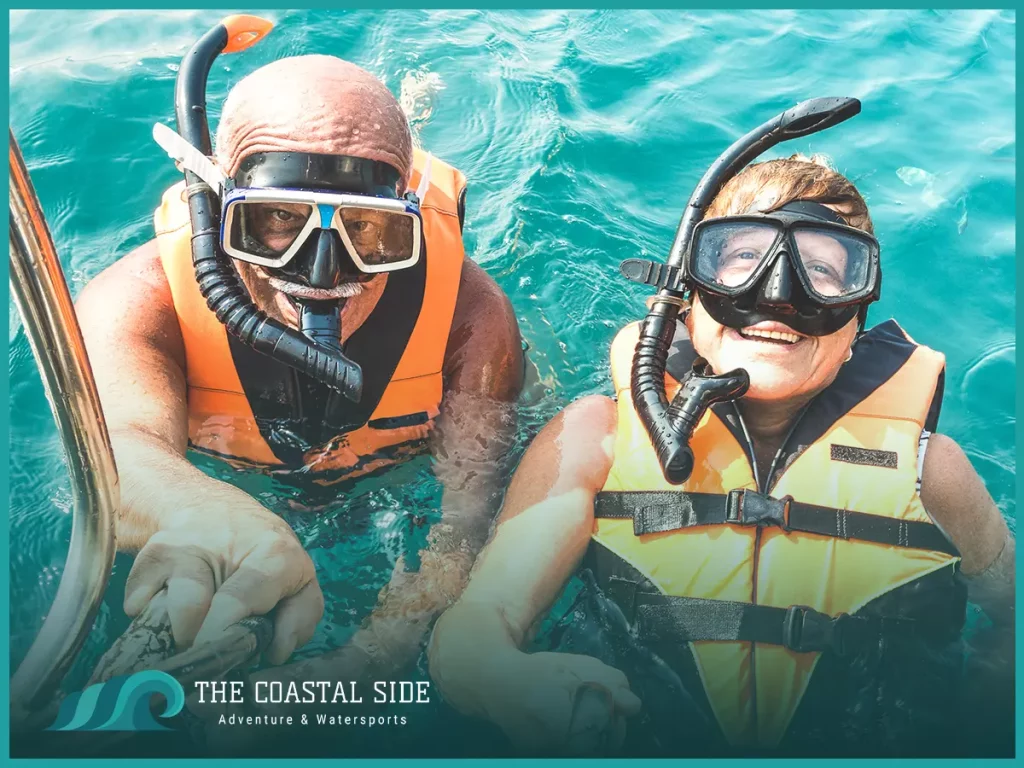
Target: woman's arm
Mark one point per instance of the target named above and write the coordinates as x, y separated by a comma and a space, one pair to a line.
542, 534
957, 500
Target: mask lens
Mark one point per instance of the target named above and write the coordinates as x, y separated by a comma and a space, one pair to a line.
378, 237
267, 229
728, 253
837, 264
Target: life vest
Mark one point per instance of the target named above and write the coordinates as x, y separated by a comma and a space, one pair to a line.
752, 582
254, 411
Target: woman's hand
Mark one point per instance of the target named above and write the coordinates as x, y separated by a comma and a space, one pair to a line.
559, 703
220, 567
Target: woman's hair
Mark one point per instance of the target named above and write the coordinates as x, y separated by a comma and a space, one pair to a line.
767, 186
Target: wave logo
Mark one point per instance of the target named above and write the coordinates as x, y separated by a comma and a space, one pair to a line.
121, 704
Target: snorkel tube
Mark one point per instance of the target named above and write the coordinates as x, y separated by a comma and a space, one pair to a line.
670, 427
218, 280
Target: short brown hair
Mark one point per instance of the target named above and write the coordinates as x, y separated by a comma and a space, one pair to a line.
768, 186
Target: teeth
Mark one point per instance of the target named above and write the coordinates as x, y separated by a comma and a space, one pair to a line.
789, 338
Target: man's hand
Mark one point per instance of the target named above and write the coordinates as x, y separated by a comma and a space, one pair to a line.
218, 571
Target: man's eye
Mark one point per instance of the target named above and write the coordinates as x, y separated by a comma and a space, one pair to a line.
360, 227
282, 217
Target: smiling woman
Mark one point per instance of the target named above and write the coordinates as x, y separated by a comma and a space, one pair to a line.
788, 561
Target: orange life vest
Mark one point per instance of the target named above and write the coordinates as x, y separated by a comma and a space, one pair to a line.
837, 527
253, 411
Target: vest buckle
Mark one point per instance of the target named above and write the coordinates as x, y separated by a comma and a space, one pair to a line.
805, 630
746, 507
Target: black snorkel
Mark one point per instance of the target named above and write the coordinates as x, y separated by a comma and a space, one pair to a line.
310, 351
671, 426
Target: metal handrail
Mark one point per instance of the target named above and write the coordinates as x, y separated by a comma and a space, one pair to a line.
48, 315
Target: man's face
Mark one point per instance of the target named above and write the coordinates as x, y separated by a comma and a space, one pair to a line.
374, 235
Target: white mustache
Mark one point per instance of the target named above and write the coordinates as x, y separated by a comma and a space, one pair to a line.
343, 291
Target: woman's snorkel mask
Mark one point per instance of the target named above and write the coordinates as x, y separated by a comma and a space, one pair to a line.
318, 225
800, 265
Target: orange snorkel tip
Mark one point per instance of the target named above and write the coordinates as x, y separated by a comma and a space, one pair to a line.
244, 31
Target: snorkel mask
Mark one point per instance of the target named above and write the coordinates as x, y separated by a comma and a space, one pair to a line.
322, 224
800, 265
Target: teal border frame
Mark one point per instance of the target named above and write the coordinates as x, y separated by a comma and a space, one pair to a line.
463, 4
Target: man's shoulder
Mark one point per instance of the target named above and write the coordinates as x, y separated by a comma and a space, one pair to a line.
484, 335
139, 270
478, 289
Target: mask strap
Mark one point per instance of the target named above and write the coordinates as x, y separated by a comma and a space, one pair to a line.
814, 210
424, 185
191, 159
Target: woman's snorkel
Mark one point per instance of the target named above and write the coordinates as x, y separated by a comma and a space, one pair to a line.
671, 426
307, 351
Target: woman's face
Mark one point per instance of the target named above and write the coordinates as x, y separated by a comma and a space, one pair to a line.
782, 363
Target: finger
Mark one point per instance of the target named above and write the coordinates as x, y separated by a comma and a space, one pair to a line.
295, 621
627, 703
250, 591
617, 736
590, 669
592, 720
189, 593
149, 574
545, 725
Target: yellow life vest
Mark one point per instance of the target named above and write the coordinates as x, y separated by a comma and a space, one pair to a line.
253, 411
755, 582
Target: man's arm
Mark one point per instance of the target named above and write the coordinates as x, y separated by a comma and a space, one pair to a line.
957, 500
483, 373
220, 555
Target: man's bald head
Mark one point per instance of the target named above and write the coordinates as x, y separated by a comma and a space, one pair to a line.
316, 104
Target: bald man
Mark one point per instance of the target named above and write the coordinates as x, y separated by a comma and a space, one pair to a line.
435, 338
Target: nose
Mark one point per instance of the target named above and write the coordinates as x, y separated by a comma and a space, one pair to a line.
325, 261
777, 287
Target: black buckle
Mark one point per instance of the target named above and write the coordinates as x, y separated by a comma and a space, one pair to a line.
805, 630
745, 507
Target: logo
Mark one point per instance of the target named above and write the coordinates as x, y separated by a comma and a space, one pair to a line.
121, 704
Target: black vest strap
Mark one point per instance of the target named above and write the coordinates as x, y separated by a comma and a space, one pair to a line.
662, 511
799, 628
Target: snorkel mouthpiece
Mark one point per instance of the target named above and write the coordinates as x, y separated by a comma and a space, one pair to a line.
320, 322
671, 427
701, 389
218, 280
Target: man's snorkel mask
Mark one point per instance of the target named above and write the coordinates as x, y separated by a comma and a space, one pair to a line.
746, 269
320, 223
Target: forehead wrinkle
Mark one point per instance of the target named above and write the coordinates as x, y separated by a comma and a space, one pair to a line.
320, 104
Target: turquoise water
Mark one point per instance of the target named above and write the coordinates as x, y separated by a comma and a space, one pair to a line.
581, 134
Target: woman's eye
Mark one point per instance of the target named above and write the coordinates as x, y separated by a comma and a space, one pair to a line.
824, 270
747, 254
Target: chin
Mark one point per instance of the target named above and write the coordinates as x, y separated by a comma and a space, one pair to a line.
769, 383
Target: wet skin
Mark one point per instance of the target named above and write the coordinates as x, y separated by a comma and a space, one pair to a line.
220, 554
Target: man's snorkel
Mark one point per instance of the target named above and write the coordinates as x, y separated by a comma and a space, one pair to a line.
670, 426
316, 351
